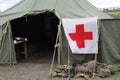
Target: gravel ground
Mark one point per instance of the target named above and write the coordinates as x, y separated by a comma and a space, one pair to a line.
34, 68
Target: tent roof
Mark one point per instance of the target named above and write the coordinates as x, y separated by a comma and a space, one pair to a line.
65, 9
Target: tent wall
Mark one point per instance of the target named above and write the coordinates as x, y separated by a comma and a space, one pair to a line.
109, 42
7, 51
109, 45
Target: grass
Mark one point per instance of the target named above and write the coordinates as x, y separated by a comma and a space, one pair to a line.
115, 14
7, 68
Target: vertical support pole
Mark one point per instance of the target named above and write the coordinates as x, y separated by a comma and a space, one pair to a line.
25, 48
96, 54
58, 55
68, 62
68, 56
95, 59
59, 45
53, 58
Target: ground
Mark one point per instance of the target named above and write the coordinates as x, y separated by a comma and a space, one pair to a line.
31, 69
36, 68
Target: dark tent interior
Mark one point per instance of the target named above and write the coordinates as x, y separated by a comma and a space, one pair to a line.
40, 31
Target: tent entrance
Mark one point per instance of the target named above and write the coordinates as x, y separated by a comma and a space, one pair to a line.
40, 31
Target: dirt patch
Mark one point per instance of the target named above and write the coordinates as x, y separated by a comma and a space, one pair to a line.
34, 68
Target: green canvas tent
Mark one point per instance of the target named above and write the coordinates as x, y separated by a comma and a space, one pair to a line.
39, 17
65, 9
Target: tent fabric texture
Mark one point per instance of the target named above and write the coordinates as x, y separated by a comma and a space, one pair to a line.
7, 51
109, 30
65, 9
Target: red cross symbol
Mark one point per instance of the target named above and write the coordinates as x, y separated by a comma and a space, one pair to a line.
80, 36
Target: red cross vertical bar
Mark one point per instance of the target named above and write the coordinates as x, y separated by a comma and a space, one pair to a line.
80, 36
